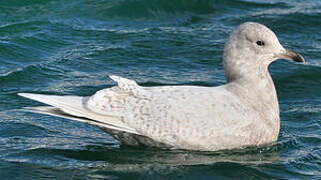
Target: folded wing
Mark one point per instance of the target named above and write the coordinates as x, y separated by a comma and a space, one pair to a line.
106, 108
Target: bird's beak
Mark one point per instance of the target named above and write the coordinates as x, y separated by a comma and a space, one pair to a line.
291, 55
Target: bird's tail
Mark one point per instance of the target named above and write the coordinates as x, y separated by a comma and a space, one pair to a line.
74, 108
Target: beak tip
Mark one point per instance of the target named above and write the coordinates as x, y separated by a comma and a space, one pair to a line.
294, 56
299, 58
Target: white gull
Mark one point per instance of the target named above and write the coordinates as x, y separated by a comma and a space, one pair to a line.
243, 112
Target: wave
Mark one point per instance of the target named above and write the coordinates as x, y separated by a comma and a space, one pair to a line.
153, 8
8, 73
18, 130
28, 74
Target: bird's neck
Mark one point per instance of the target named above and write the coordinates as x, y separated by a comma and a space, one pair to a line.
261, 96
258, 84
262, 86
252, 78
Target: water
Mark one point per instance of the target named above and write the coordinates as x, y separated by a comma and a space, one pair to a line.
69, 47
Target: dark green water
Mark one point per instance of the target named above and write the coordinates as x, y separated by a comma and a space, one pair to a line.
69, 47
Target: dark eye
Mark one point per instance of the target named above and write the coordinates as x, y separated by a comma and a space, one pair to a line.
260, 43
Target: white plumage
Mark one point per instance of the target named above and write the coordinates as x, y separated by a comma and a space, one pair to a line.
243, 112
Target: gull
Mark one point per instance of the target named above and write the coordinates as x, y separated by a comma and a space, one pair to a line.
243, 112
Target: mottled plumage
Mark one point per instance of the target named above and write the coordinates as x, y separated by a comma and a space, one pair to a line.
243, 112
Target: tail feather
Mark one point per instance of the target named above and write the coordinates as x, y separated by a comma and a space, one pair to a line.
73, 107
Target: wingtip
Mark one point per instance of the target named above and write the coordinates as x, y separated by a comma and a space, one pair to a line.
28, 95
36, 97
24, 94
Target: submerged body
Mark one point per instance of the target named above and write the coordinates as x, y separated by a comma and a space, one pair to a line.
243, 112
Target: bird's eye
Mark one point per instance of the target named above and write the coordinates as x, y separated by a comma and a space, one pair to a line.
260, 43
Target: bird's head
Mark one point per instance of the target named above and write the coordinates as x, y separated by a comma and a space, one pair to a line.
252, 47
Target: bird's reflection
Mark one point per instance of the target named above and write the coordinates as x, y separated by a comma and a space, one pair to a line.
142, 155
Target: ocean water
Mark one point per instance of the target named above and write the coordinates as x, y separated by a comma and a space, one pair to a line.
70, 47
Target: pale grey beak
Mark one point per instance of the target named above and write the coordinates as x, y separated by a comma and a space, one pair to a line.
291, 55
